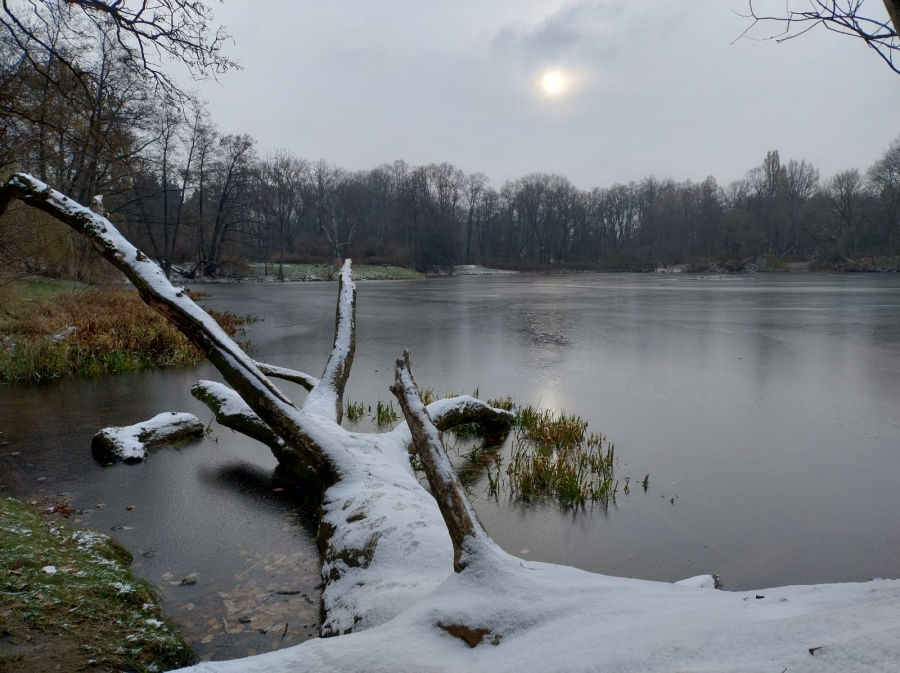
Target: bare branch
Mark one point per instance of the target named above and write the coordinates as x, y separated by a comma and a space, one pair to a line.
839, 16
149, 33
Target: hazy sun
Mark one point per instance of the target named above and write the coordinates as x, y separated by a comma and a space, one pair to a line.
553, 83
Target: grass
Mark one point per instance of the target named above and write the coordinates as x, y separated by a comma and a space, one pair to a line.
354, 410
50, 329
550, 454
71, 590
385, 414
326, 272
554, 455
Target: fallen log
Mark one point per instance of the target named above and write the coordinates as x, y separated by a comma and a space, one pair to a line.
130, 443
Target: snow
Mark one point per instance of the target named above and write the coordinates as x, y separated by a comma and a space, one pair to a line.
700, 582
130, 442
324, 397
305, 380
553, 618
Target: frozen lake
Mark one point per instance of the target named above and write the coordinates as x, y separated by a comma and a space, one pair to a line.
768, 404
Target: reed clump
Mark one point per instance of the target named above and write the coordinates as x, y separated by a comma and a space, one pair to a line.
385, 414
554, 455
49, 331
354, 410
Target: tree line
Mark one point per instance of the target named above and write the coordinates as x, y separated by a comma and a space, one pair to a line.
79, 118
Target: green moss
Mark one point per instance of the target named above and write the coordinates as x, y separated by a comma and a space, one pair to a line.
59, 586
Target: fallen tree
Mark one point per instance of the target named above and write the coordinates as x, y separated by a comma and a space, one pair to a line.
413, 582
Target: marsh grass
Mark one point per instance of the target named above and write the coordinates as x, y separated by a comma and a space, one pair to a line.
385, 414
52, 329
354, 410
89, 605
553, 454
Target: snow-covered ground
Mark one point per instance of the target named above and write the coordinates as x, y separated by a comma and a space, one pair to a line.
542, 618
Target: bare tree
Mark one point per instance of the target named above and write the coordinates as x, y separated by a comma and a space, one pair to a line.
884, 176
281, 178
844, 17
147, 33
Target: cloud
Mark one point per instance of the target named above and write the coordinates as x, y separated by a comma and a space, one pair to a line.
576, 33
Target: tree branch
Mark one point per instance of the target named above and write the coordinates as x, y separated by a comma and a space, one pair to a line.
839, 16
292, 375
327, 396
468, 535
452, 412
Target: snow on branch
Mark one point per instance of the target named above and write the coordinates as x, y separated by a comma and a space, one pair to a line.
327, 397
452, 412
130, 443
466, 532
292, 375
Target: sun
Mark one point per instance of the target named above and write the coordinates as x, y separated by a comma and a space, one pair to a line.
553, 83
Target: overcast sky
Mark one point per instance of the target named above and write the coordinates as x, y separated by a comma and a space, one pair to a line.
642, 87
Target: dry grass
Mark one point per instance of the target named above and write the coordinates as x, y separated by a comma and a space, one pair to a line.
51, 329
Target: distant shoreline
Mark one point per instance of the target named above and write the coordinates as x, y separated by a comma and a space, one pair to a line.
269, 273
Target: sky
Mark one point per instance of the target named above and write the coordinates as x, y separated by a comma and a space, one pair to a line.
601, 92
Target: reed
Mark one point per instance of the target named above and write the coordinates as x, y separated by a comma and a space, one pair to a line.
385, 414
553, 455
354, 410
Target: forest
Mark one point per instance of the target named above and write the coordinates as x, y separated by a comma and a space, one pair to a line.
76, 115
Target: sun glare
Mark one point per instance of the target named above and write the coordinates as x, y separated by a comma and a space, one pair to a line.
553, 83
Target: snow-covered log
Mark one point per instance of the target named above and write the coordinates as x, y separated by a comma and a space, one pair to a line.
130, 443
466, 532
383, 541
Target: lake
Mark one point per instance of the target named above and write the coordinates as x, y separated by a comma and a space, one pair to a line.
763, 406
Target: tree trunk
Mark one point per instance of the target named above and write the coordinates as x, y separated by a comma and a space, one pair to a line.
893, 10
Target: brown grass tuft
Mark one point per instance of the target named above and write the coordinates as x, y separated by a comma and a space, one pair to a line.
49, 333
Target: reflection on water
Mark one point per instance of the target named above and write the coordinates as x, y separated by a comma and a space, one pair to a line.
766, 403
230, 554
